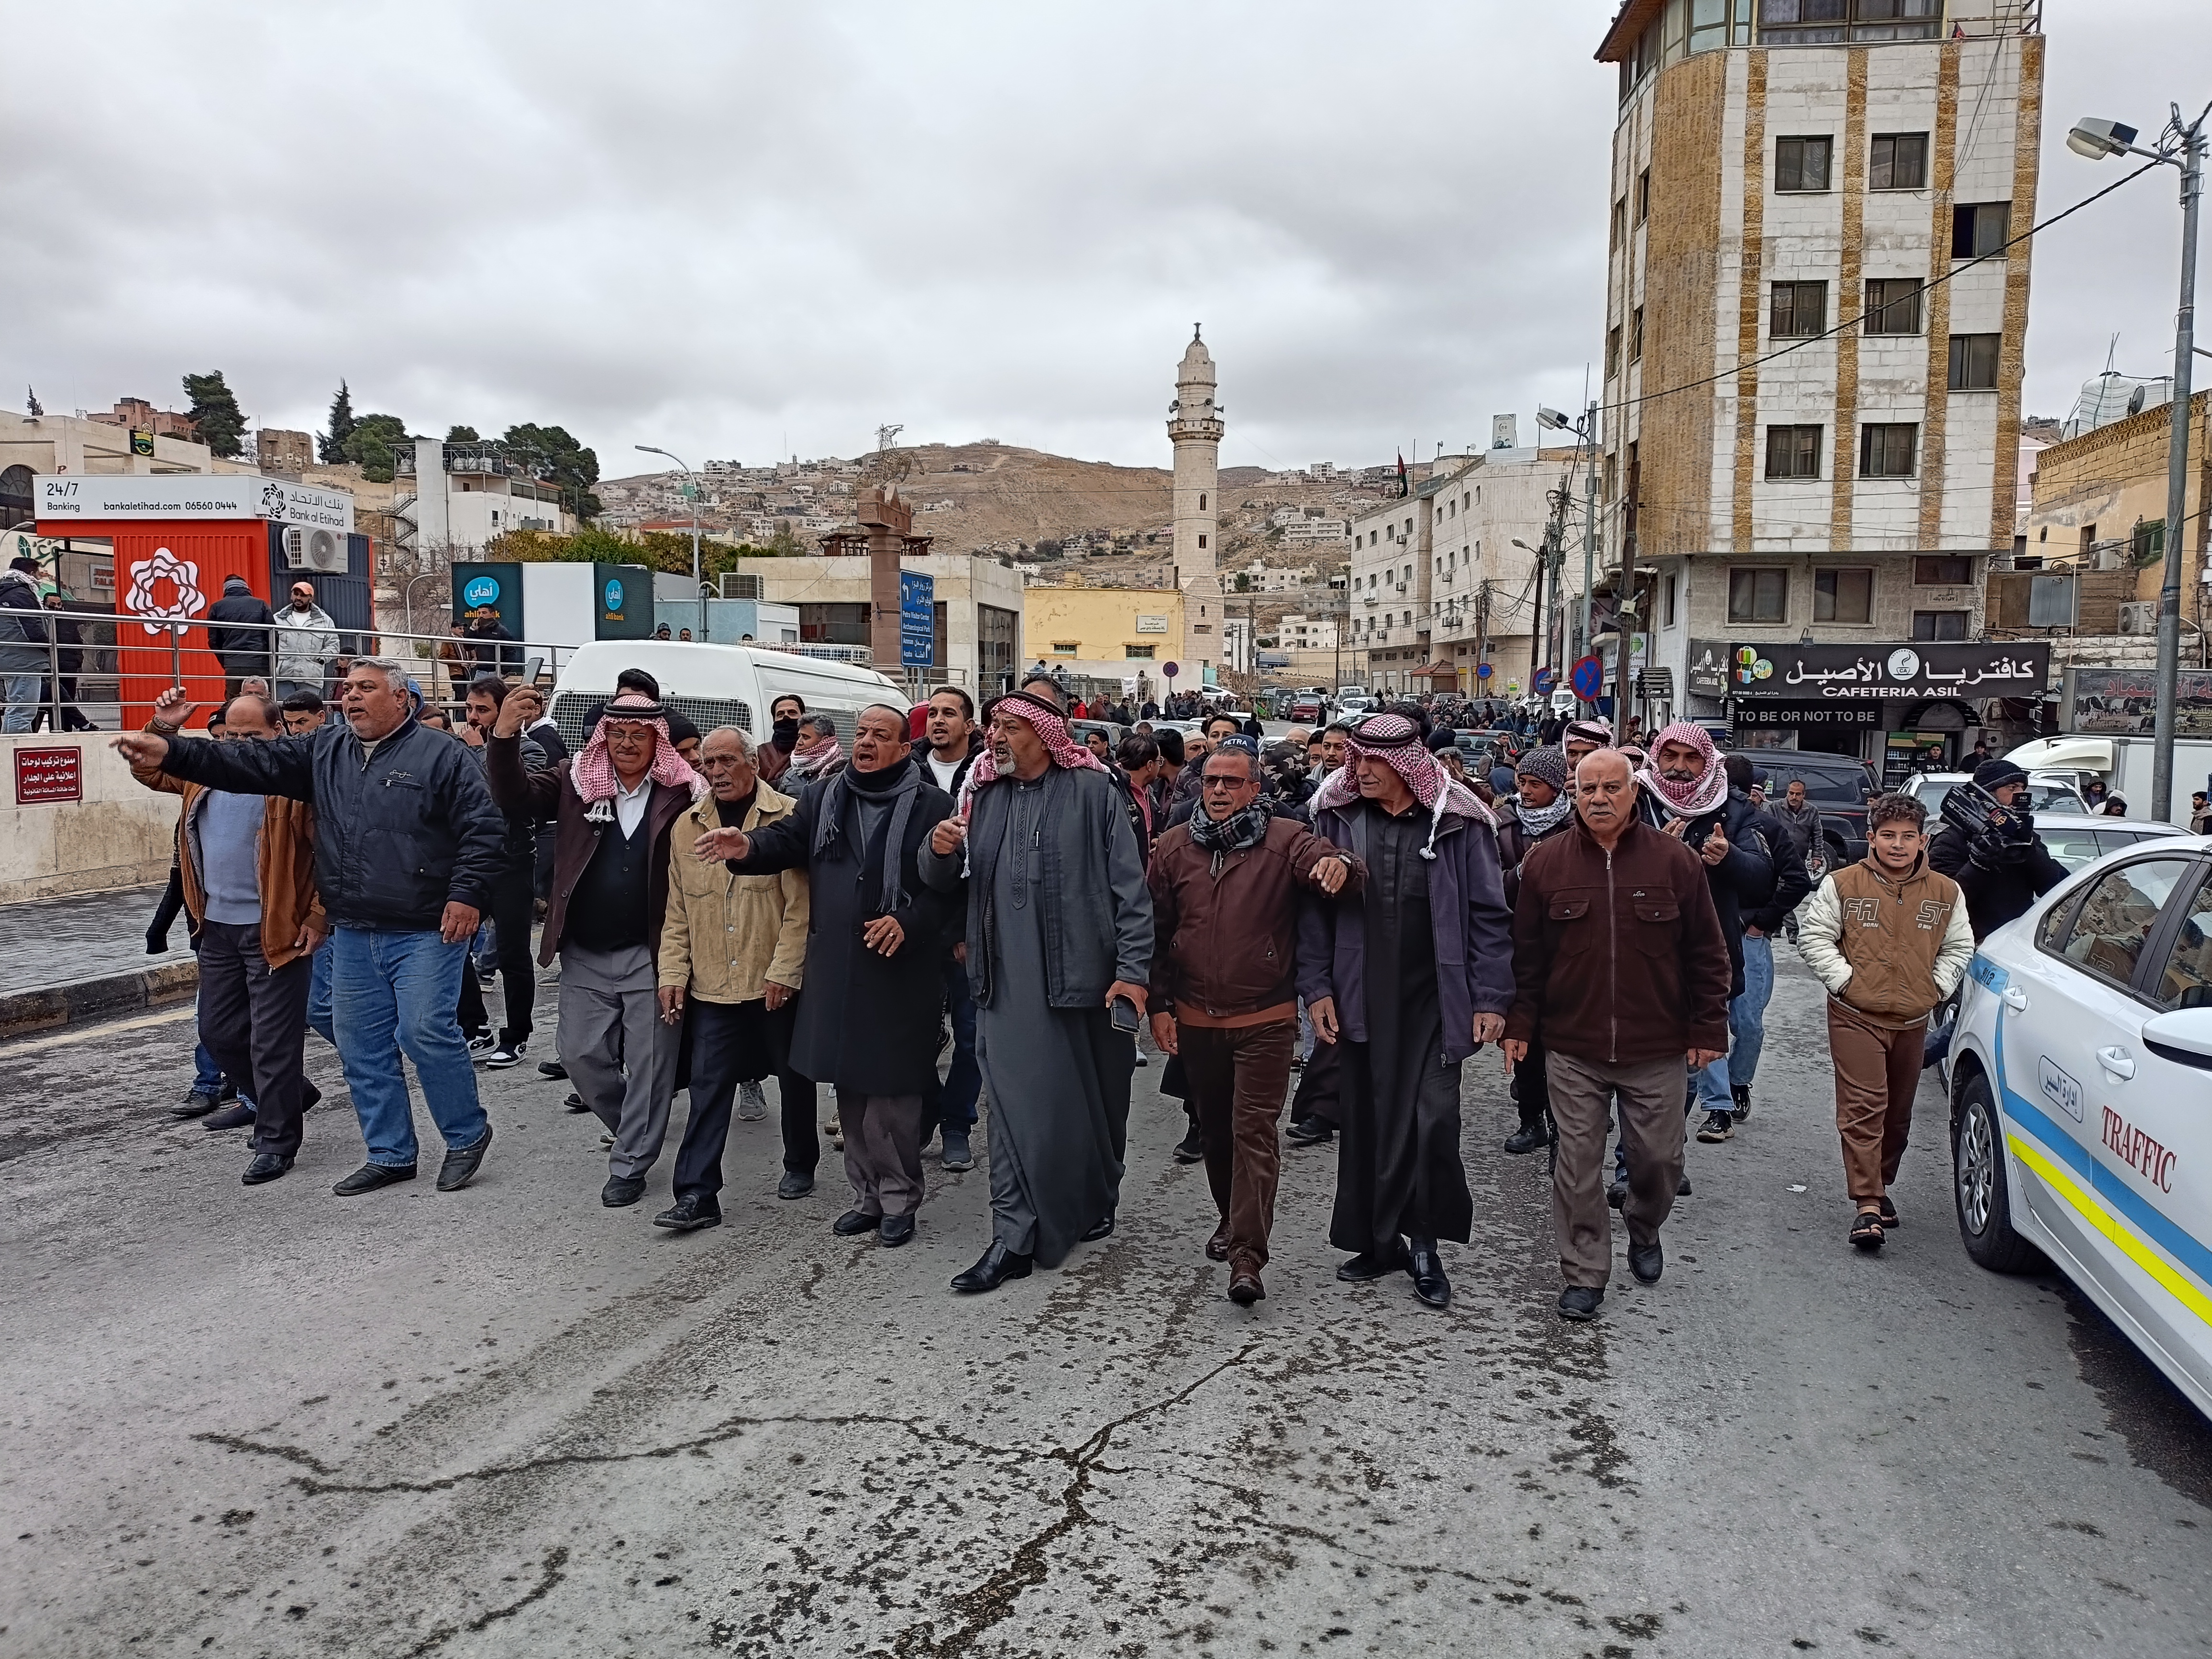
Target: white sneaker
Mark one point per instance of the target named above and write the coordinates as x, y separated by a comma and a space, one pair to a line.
752, 1101
481, 1046
506, 1055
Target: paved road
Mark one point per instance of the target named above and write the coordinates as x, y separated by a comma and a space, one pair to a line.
45, 942
509, 1422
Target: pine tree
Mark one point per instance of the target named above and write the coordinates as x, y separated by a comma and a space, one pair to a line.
214, 414
331, 445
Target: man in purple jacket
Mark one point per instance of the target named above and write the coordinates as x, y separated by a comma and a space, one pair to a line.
1418, 971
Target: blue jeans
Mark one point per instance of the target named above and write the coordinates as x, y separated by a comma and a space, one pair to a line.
951, 1103
318, 995
208, 1078
1747, 1030
394, 993
24, 693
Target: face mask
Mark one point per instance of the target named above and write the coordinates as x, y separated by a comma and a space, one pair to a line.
785, 735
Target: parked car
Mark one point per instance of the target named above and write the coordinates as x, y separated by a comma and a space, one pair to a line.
1838, 787
2079, 1073
2047, 791
2077, 843
1308, 708
1353, 705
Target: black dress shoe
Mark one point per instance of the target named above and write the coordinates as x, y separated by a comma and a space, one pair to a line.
1525, 1139
1308, 1132
552, 1068
1217, 1247
575, 1103
688, 1213
621, 1191
1373, 1264
1647, 1261
194, 1104
996, 1266
1682, 1187
1191, 1149
896, 1230
462, 1161
266, 1166
796, 1183
854, 1223
1617, 1194
311, 1098
1100, 1230
236, 1115
1580, 1302
370, 1176
1428, 1270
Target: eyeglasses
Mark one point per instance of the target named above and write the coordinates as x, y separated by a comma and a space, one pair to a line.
1225, 783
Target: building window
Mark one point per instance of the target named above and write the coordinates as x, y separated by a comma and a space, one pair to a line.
1137, 652
1829, 22
1934, 627
1202, 541
1801, 164
1974, 362
1201, 503
827, 624
1898, 160
1644, 196
1798, 309
1613, 351
1758, 596
2148, 544
1636, 335
1892, 306
1067, 647
1979, 227
1843, 596
1793, 451
1620, 222
1888, 449
1667, 615
1937, 572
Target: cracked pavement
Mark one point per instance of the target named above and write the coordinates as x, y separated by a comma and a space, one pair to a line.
508, 1421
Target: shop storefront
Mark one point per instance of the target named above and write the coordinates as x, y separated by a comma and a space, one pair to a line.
1902, 707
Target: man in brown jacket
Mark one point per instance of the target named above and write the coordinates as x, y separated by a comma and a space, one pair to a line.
1223, 995
248, 869
1621, 971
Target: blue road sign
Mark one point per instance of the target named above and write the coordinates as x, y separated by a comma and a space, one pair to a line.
1587, 676
917, 619
1543, 681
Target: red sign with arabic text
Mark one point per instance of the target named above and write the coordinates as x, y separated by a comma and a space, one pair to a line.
48, 775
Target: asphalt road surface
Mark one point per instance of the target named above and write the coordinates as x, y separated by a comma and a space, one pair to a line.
510, 1422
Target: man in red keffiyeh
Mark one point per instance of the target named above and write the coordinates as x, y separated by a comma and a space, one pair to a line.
1060, 928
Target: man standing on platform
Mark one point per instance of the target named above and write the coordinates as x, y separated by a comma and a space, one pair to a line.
1417, 973
1059, 929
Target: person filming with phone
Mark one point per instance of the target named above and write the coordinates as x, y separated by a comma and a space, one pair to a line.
1226, 887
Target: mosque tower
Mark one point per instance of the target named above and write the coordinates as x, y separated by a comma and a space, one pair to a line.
1194, 427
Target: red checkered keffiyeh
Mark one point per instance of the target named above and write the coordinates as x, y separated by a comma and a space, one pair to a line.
592, 774
1702, 793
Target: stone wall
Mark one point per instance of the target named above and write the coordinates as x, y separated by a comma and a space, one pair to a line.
118, 835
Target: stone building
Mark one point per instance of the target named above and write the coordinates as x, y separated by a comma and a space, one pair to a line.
1844, 188
1194, 428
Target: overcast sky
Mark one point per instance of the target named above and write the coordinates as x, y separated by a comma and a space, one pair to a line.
745, 230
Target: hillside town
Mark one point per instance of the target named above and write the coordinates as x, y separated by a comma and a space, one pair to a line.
1587, 1034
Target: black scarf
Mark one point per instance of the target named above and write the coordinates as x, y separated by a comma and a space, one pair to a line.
903, 782
1233, 834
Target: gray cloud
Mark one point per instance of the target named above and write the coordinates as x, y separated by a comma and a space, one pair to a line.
736, 230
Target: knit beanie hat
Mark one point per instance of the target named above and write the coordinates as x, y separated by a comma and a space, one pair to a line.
1992, 773
1546, 766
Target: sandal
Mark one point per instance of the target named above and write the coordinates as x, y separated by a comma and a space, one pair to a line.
1889, 1214
1865, 1229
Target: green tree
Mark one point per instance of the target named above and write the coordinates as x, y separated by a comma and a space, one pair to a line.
557, 458
214, 413
331, 446
374, 445
462, 435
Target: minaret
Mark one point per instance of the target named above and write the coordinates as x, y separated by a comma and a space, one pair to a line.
1194, 427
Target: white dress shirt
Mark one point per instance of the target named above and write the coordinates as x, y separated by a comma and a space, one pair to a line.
629, 805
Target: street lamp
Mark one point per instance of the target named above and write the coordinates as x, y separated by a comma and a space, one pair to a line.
2183, 148
697, 586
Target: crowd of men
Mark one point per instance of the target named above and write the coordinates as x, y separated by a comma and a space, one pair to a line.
1344, 906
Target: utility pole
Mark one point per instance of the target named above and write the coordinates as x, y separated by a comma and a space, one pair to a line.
1589, 523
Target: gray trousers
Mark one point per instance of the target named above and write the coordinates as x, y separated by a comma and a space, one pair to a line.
883, 1150
1651, 1125
619, 1054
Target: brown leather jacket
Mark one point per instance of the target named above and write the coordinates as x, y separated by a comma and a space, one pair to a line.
1618, 957
285, 864
1225, 942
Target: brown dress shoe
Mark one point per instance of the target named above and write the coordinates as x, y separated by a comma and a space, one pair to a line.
1244, 1287
1216, 1248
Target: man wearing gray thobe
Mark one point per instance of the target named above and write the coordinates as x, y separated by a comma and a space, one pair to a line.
1060, 928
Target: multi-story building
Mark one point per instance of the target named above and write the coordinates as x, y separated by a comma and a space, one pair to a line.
1489, 516
1115, 634
1297, 633
1816, 302
977, 603
453, 498
1389, 600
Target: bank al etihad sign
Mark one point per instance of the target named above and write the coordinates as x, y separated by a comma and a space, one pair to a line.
1832, 673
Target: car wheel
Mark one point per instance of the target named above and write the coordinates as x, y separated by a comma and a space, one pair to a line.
1980, 1185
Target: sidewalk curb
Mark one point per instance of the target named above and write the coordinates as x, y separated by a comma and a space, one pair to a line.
23, 1012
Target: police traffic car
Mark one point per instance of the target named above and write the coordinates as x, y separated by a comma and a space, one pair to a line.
2080, 1079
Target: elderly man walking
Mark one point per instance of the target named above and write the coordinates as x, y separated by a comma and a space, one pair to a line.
247, 868
732, 959
1621, 973
614, 806
1059, 929
868, 1024
1417, 973
1225, 891
407, 848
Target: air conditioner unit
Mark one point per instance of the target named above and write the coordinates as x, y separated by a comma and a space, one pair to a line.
307, 549
2108, 555
2139, 616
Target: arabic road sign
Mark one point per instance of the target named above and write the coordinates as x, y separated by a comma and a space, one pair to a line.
1587, 676
1889, 671
1543, 681
917, 619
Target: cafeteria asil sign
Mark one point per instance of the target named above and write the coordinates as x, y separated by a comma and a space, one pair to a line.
63, 497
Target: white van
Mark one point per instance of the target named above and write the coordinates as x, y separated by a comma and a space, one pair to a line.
717, 684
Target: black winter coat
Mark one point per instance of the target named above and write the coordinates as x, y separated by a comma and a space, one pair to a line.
1995, 894
1743, 882
866, 1022
397, 835
245, 648
1792, 881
